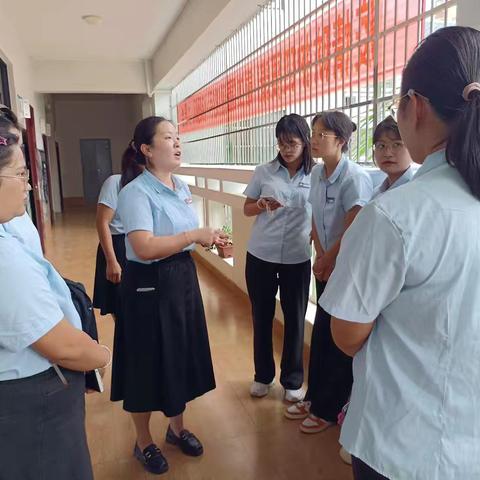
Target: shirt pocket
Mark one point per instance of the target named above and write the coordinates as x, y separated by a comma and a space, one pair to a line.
299, 195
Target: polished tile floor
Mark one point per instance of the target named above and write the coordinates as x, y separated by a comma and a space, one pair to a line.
244, 438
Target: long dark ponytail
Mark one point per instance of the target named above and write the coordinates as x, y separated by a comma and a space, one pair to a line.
130, 168
133, 160
441, 68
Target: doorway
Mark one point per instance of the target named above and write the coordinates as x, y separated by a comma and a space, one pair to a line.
97, 166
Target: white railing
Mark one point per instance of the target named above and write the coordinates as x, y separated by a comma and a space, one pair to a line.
218, 196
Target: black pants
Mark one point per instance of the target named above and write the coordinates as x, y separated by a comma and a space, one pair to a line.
361, 471
330, 376
263, 280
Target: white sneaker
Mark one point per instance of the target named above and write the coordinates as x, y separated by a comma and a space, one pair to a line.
345, 456
258, 389
299, 411
294, 396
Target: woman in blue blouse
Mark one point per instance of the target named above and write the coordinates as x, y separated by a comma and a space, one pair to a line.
339, 189
391, 156
162, 354
43, 352
407, 307
111, 257
20, 227
278, 255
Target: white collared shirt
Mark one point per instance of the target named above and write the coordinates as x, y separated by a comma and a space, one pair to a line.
33, 299
148, 204
109, 197
331, 198
385, 185
411, 261
281, 236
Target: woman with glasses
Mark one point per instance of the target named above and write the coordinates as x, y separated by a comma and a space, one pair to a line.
278, 255
391, 156
20, 227
340, 188
43, 352
412, 323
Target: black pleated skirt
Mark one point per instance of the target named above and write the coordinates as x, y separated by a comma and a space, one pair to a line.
105, 293
161, 355
42, 428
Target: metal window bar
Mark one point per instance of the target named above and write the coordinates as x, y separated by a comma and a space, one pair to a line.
230, 115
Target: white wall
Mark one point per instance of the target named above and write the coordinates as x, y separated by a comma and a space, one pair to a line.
468, 13
163, 103
89, 76
92, 116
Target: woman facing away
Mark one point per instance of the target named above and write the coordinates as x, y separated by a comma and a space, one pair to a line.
407, 307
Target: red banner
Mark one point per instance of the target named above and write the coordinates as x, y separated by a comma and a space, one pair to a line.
307, 62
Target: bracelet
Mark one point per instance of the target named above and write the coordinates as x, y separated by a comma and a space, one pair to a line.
110, 356
259, 205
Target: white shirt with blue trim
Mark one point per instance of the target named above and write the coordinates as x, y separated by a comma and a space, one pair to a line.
283, 235
23, 229
109, 197
331, 198
33, 299
402, 180
411, 261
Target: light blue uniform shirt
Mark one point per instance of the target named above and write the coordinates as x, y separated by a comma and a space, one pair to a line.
331, 198
281, 236
147, 204
23, 229
109, 197
411, 260
33, 299
384, 186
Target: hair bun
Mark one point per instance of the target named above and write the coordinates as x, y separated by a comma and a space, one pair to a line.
354, 127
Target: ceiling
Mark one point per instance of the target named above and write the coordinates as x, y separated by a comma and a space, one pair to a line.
54, 30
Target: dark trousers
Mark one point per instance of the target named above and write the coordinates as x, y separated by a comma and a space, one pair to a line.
330, 376
263, 281
361, 471
42, 428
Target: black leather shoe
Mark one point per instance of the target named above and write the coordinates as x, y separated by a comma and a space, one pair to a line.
152, 459
188, 443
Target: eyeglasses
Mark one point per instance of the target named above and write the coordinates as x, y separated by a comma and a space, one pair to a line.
396, 99
289, 146
25, 176
323, 135
382, 147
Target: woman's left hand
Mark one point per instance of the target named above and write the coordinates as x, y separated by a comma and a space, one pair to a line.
323, 267
220, 238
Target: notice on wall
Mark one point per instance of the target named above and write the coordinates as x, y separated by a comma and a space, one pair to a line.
26, 108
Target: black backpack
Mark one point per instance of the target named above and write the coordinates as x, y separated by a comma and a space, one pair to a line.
84, 307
